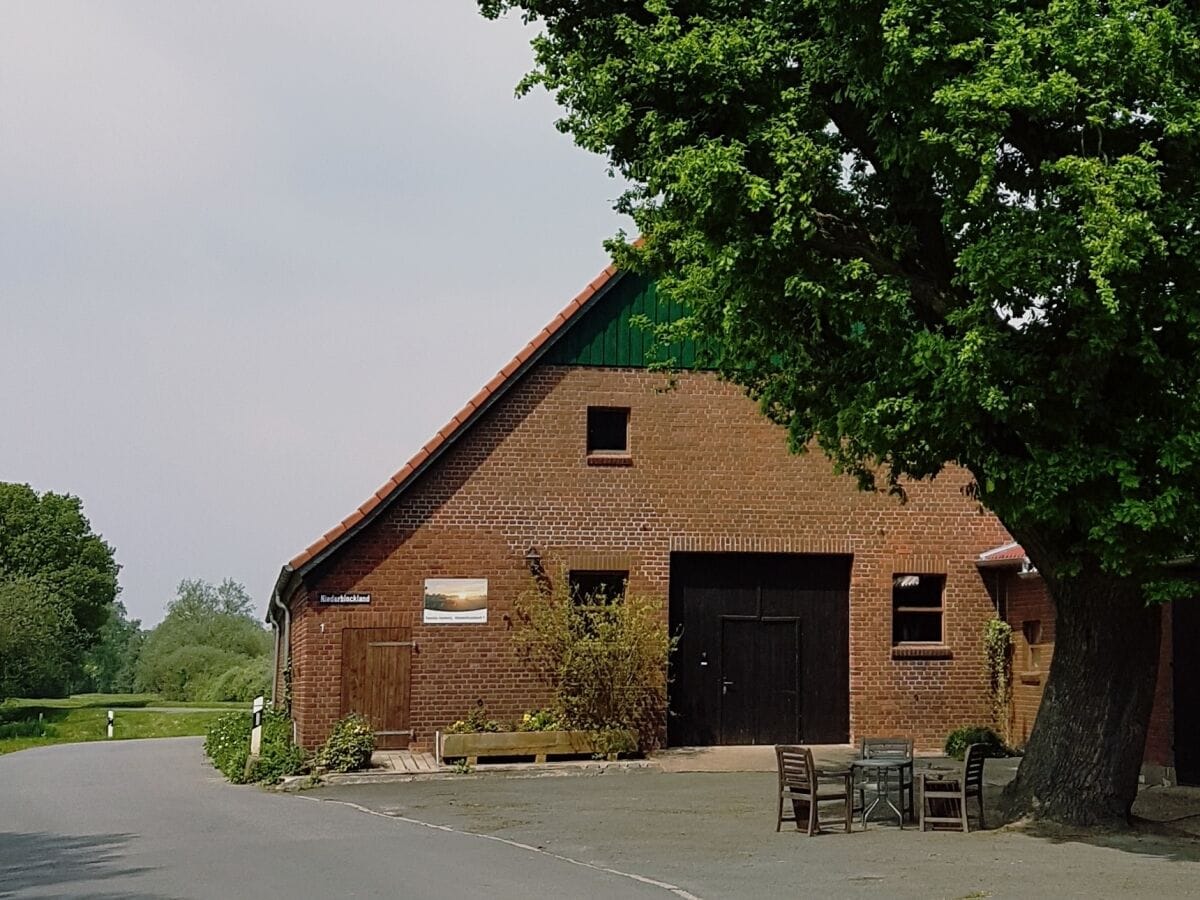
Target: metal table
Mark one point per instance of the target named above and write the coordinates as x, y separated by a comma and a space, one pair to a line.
882, 767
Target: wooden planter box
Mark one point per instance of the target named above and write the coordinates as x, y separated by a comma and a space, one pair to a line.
538, 744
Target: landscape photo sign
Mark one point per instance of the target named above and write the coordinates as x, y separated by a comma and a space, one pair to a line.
345, 598
455, 601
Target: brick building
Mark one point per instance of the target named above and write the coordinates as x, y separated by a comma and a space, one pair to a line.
1173, 740
808, 610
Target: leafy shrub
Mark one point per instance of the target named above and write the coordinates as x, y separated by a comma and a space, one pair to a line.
961, 738
26, 728
239, 683
349, 746
227, 744
117, 703
540, 720
20, 716
476, 722
605, 659
277, 756
612, 741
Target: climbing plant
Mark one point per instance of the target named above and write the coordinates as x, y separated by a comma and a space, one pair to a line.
997, 646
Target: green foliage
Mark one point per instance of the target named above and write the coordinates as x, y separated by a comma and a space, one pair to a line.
540, 720
74, 720
198, 601
962, 738
24, 728
209, 646
476, 722
349, 746
38, 639
611, 742
109, 666
923, 232
278, 756
46, 539
23, 722
605, 658
227, 744
997, 649
241, 682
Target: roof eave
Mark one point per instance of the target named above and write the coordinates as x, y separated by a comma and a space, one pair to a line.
529, 356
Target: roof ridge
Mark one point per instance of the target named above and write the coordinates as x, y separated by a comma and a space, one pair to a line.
456, 424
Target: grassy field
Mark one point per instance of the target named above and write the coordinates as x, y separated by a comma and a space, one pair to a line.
123, 701
84, 717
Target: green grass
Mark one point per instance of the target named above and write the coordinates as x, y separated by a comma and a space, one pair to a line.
84, 717
84, 724
123, 701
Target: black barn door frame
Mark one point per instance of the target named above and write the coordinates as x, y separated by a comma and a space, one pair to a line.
809, 592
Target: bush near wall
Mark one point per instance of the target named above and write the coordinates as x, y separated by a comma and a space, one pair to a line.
228, 746
605, 658
349, 746
962, 738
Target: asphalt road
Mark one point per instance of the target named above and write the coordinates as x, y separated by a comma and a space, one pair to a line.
150, 819
140, 819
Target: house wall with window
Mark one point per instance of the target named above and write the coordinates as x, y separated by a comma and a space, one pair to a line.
538, 468
1030, 612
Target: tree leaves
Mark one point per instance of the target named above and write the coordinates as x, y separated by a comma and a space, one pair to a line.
923, 233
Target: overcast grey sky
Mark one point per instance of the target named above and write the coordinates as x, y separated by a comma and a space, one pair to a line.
253, 255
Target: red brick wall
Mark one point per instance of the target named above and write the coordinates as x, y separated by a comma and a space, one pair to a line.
708, 473
1026, 600
1160, 739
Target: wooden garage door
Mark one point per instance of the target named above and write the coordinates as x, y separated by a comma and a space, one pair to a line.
764, 649
375, 681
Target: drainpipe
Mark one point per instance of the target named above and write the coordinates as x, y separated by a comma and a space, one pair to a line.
283, 634
275, 655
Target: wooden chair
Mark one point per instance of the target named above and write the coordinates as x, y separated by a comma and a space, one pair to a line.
944, 795
891, 748
800, 782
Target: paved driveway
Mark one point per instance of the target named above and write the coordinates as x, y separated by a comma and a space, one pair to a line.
146, 819
713, 835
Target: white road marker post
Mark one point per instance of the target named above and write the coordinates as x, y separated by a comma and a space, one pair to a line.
255, 735
256, 727
110, 723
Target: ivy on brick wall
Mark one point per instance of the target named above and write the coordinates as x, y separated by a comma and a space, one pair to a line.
997, 646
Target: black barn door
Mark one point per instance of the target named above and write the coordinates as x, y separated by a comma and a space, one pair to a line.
760, 681
1185, 637
763, 655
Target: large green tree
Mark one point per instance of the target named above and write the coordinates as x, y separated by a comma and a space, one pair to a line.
110, 664
924, 233
47, 539
210, 646
39, 642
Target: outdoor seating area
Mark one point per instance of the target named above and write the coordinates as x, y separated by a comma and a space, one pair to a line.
880, 785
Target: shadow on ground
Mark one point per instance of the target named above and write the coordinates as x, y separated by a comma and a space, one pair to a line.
40, 860
1166, 825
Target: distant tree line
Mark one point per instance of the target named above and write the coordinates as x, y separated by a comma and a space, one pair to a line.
63, 630
210, 646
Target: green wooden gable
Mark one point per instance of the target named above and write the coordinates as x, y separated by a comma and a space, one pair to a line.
605, 336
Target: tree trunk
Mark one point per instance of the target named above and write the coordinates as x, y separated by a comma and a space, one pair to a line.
1084, 754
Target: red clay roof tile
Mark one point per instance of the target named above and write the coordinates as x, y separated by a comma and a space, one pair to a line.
1006, 554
